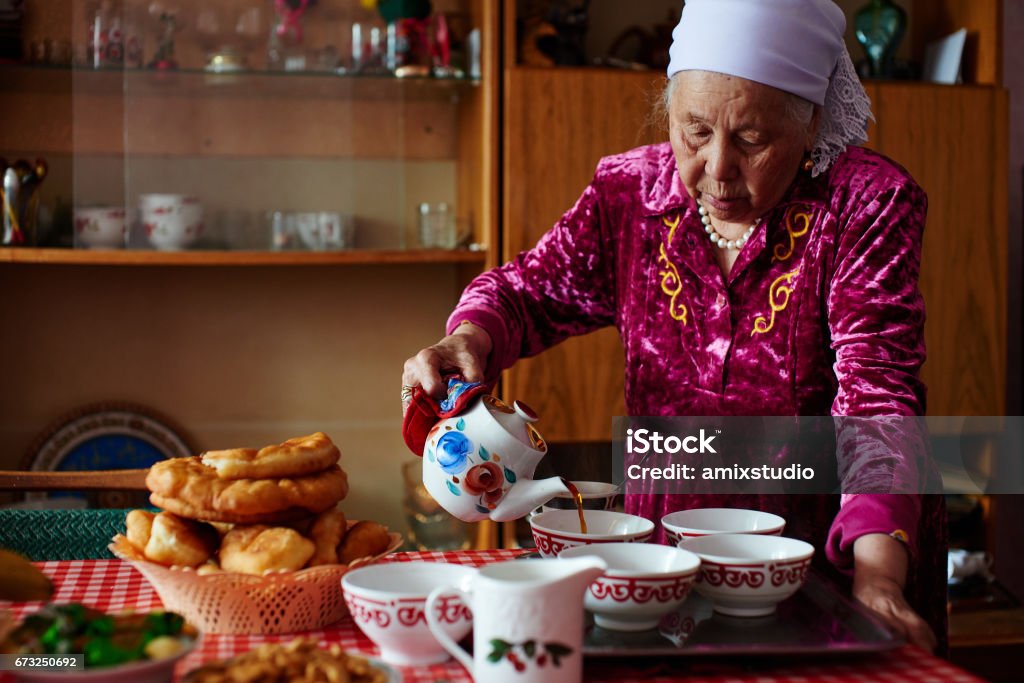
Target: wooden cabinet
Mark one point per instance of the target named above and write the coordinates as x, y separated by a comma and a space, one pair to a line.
558, 123
245, 347
953, 139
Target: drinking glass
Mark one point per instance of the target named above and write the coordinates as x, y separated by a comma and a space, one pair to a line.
437, 226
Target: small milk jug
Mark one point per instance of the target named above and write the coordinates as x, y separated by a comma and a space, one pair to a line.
527, 620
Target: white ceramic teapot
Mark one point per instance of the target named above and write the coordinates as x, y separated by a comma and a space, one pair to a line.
479, 464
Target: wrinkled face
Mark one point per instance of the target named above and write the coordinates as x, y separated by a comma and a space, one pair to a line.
738, 144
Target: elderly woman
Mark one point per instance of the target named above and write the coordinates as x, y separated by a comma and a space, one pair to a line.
757, 264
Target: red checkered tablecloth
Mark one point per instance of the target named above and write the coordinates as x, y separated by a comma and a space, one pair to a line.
114, 585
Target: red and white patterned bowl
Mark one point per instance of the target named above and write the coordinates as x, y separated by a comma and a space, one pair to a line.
708, 521
643, 583
556, 530
748, 575
386, 601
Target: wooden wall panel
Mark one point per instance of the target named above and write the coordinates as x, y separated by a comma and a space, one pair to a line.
196, 355
559, 123
953, 141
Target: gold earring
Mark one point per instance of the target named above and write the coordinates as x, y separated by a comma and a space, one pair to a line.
808, 165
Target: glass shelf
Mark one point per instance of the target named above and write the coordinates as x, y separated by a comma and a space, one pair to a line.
130, 257
128, 82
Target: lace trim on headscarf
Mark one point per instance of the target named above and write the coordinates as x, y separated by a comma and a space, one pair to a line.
845, 116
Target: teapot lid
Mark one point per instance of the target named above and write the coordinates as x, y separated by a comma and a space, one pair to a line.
516, 420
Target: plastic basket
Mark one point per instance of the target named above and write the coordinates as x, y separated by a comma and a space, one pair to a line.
229, 602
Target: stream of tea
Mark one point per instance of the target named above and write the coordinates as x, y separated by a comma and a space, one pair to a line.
577, 498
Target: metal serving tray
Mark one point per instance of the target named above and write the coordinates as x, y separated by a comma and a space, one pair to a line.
816, 620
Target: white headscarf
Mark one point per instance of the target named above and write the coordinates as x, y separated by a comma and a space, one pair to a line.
794, 45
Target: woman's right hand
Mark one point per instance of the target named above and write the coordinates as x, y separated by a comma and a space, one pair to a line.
462, 352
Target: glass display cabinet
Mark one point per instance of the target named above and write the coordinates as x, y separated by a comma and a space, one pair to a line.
305, 161
310, 130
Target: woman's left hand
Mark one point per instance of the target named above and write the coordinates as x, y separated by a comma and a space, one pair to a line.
885, 598
879, 574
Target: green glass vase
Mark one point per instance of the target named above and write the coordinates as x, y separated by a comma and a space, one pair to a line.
879, 28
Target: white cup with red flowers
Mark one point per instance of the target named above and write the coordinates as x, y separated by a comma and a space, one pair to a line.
100, 227
172, 222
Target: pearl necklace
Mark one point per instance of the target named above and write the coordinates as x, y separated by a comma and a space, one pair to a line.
717, 239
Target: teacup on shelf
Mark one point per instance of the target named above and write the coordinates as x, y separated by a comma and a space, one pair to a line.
100, 227
323, 230
171, 221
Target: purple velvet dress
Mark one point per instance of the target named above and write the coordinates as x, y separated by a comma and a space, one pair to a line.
820, 314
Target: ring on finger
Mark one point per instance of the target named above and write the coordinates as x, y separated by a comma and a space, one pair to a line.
406, 393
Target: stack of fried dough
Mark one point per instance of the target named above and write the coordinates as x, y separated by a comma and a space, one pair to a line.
253, 511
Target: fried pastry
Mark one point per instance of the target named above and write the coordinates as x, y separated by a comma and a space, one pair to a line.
207, 568
364, 539
177, 541
189, 488
222, 527
286, 516
139, 525
327, 532
294, 458
258, 549
303, 525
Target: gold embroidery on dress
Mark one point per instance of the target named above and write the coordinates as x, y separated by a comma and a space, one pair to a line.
671, 283
798, 222
778, 299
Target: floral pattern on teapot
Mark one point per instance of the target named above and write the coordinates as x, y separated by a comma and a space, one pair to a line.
479, 463
455, 453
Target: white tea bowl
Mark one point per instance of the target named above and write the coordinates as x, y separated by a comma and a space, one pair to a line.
596, 495
643, 583
748, 575
708, 521
387, 601
171, 221
556, 530
101, 227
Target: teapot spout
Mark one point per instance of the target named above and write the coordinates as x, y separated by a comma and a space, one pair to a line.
525, 496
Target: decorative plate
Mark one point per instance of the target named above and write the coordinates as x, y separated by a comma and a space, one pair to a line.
105, 436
